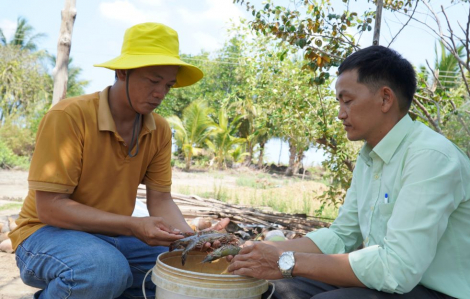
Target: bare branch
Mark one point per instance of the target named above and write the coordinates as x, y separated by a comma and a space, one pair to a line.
456, 54
453, 50
433, 72
411, 17
467, 38
428, 115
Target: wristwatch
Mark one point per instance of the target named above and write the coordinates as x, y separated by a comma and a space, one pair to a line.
286, 263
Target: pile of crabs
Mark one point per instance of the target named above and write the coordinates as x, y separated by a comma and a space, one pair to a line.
230, 240
230, 244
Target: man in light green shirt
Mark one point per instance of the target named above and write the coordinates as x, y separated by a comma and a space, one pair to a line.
408, 203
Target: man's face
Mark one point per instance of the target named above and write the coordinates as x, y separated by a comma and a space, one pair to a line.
360, 109
149, 85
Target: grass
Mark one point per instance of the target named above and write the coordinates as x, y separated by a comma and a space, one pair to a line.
9, 206
279, 193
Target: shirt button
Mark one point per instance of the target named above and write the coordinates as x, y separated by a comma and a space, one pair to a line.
372, 208
366, 240
376, 176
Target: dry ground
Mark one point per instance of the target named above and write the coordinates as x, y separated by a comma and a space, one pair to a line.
13, 188
233, 186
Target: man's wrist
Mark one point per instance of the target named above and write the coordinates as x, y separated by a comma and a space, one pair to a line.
286, 263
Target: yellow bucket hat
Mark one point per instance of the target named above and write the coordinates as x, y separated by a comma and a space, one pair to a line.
150, 44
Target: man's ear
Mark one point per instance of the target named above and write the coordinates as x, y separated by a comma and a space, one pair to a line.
388, 99
121, 75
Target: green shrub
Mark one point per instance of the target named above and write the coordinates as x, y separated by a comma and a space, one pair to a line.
9, 160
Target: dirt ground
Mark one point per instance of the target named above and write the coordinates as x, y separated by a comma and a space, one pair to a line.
13, 188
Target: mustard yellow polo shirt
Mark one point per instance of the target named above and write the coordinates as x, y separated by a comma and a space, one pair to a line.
79, 152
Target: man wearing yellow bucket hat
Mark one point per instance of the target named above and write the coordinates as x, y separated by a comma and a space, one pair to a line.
76, 237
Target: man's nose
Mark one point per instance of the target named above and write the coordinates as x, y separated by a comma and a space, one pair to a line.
159, 92
342, 113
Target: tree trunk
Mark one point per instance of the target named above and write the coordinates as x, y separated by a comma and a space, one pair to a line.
378, 22
261, 154
220, 160
292, 154
250, 154
60, 71
298, 161
188, 162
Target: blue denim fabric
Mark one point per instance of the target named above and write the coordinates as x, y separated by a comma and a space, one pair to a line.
73, 264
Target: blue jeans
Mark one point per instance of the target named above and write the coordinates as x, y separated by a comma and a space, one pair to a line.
72, 264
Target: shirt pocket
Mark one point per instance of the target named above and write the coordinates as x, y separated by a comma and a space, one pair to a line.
386, 209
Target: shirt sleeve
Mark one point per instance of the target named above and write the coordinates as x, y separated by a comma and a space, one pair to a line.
431, 182
344, 235
158, 175
56, 164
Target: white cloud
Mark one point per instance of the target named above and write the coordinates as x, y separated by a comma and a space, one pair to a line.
200, 24
8, 28
151, 2
223, 10
207, 42
127, 13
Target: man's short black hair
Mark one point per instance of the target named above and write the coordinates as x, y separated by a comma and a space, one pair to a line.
379, 66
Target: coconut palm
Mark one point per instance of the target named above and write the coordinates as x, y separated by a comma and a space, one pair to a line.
246, 108
193, 129
222, 140
24, 36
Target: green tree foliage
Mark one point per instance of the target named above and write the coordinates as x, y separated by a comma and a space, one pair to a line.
323, 35
24, 36
314, 26
17, 67
26, 87
222, 141
442, 99
221, 77
280, 101
193, 129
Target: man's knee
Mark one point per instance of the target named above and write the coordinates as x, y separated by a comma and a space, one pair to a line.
107, 270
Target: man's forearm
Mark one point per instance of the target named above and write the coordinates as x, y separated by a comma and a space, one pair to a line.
333, 269
60, 211
161, 204
297, 245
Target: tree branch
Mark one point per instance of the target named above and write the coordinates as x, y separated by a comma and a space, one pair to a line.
411, 17
428, 115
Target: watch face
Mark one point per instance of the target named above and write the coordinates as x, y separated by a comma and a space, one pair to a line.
286, 262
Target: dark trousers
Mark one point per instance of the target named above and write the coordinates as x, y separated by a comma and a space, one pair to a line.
303, 288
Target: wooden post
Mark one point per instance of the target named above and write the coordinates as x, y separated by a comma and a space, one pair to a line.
60, 71
378, 21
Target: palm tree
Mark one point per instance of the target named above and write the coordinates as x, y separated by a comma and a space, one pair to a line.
192, 131
222, 141
248, 111
23, 37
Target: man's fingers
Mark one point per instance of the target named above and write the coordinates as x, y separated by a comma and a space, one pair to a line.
221, 224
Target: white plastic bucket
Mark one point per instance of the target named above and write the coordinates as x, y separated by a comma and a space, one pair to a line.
201, 280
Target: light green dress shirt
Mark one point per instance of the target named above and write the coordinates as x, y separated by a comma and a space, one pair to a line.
422, 234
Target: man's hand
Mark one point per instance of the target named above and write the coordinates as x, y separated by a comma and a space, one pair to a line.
256, 259
217, 227
155, 231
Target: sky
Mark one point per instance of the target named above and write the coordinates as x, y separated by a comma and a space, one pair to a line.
201, 25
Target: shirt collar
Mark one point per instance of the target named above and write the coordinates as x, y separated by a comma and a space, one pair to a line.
105, 118
387, 147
